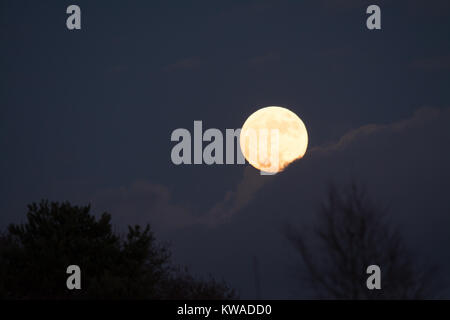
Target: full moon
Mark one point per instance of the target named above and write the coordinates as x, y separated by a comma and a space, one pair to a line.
273, 137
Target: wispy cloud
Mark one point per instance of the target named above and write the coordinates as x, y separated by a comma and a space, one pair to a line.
420, 117
189, 63
252, 182
145, 202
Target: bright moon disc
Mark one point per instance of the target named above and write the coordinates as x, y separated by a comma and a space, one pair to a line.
273, 137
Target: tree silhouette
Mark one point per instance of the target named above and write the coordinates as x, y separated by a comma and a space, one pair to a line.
352, 233
34, 257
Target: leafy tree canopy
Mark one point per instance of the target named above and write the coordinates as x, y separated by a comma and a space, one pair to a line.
34, 257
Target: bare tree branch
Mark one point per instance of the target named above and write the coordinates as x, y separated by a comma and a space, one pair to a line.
353, 233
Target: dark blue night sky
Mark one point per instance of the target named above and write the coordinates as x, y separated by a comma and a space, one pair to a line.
86, 116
